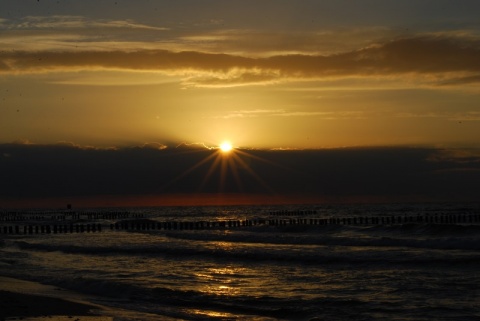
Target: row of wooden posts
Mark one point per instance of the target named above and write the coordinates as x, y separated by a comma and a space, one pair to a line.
14, 216
50, 229
144, 224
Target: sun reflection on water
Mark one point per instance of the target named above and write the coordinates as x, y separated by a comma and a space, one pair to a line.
213, 314
220, 281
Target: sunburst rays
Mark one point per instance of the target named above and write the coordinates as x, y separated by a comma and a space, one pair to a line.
225, 169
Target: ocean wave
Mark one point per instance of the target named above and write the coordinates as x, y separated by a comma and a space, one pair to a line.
428, 237
331, 251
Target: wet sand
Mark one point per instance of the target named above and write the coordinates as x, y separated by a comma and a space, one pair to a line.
21, 305
33, 301
26, 300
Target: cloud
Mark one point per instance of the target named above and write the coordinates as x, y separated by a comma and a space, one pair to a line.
263, 43
461, 156
57, 22
156, 146
113, 78
69, 33
192, 146
69, 170
208, 37
457, 81
452, 115
251, 113
327, 115
467, 116
441, 59
144, 60
236, 77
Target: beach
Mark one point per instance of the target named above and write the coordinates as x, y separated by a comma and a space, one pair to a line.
26, 300
36, 307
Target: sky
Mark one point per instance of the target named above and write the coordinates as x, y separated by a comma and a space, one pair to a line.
315, 79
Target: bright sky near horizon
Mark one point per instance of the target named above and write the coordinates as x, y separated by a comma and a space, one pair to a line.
260, 74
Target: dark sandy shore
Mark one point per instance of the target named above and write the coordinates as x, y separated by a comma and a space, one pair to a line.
21, 306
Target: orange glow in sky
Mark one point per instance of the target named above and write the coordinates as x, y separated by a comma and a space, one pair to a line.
166, 73
162, 80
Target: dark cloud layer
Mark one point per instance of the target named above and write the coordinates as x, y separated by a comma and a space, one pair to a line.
420, 55
50, 171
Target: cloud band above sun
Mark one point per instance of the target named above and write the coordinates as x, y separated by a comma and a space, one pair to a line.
439, 60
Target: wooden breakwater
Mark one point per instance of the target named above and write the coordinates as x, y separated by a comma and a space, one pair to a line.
142, 224
60, 215
50, 229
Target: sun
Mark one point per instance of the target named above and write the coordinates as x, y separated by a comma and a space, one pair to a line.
225, 147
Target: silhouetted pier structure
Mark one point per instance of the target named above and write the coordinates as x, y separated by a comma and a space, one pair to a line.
75, 222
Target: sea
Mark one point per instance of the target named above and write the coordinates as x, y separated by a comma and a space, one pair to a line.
300, 262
